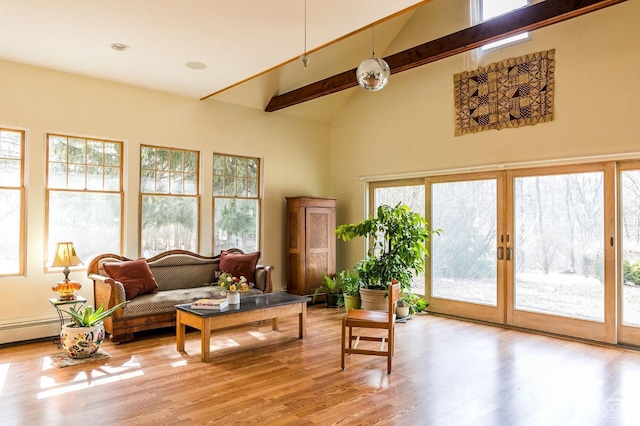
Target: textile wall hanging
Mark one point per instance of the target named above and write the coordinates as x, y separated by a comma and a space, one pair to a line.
512, 93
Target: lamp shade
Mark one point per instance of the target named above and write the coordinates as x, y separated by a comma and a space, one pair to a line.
65, 255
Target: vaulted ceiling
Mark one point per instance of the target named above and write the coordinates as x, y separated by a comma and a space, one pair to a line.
255, 42
251, 48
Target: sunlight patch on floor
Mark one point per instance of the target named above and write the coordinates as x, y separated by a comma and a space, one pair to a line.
218, 344
258, 335
103, 375
4, 370
82, 382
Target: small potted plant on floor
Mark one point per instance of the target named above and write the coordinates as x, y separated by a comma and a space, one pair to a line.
332, 289
351, 291
409, 304
82, 337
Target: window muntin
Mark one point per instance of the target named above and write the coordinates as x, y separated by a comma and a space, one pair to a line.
488, 9
84, 195
236, 202
169, 199
12, 201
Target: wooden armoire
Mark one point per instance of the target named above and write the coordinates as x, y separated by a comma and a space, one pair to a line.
311, 243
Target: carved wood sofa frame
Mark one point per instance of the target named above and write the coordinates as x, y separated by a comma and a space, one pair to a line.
182, 277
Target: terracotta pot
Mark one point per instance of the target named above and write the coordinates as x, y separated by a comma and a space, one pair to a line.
374, 300
81, 342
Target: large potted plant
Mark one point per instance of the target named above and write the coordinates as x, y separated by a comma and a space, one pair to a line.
82, 337
397, 251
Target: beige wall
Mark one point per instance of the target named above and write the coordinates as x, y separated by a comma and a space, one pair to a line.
408, 126
295, 153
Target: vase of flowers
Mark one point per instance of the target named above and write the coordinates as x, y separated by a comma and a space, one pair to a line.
233, 286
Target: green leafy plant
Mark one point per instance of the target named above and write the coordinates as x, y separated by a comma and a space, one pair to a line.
332, 285
398, 249
85, 316
631, 272
351, 283
415, 303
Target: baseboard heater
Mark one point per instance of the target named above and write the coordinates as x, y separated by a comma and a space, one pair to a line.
30, 330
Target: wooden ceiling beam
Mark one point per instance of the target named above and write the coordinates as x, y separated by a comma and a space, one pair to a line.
529, 18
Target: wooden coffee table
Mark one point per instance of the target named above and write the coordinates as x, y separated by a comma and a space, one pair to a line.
251, 309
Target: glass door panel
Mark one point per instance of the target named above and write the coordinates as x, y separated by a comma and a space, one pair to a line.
630, 237
412, 195
467, 263
559, 243
463, 257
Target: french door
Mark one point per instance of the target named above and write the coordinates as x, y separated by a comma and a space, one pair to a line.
532, 248
561, 277
629, 249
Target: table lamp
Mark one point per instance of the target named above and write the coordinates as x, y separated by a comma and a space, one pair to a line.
66, 256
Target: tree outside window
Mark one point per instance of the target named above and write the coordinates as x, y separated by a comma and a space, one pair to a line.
84, 194
170, 199
236, 202
11, 201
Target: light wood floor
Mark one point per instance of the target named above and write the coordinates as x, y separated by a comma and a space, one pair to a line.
446, 372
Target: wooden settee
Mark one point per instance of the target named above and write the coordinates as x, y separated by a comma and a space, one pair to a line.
181, 277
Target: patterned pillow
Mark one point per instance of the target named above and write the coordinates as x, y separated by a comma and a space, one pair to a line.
239, 265
135, 276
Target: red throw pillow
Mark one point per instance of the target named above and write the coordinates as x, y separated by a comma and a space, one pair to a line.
135, 276
239, 265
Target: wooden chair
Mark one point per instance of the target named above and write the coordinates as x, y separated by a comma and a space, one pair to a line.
363, 319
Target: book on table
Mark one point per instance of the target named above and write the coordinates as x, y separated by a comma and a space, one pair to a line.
209, 304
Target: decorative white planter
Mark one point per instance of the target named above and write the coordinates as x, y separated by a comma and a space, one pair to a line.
81, 342
402, 311
233, 298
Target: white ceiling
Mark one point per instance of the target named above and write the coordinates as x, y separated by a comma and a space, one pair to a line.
253, 42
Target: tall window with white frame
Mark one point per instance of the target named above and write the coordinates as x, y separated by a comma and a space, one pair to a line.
84, 195
169, 200
484, 10
236, 202
11, 201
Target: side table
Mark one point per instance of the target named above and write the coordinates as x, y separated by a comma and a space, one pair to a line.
79, 300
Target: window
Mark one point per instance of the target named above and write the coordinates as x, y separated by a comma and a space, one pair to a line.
11, 201
84, 194
488, 9
236, 203
408, 192
169, 199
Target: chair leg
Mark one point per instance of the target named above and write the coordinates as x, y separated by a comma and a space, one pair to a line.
342, 354
390, 349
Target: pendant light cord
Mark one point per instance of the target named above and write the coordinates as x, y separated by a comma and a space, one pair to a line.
373, 38
305, 58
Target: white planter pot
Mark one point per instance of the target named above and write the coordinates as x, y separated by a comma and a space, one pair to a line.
402, 311
233, 298
81, 342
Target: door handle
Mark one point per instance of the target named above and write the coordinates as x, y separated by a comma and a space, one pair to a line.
508, 253
500, 253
